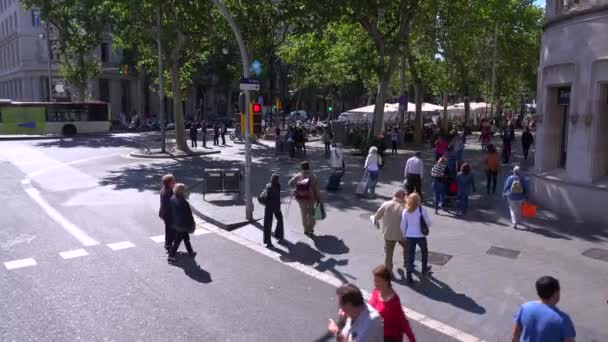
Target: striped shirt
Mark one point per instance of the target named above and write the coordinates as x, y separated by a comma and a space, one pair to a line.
438, 171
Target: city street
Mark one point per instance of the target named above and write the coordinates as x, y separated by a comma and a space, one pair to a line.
83, 259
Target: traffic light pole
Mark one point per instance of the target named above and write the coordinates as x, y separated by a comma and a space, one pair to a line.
245, 61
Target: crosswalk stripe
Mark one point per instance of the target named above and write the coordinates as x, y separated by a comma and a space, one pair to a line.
14, 264
158, 238
201, 232
74, 253
121, 245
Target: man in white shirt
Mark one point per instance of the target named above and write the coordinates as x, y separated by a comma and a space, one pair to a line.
414, 170
362, 323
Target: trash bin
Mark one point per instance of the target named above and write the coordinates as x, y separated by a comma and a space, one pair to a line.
213, 181
232, 180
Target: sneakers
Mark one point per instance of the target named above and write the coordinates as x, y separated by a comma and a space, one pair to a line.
426, 270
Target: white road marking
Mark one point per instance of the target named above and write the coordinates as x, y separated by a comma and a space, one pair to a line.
69, 227
11, 265
430, 323
121, 245
76, 253
158, 238
61, 164
201, 231
26, 181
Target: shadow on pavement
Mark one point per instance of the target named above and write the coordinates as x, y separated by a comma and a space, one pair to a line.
192, 269
431, 287
102, 141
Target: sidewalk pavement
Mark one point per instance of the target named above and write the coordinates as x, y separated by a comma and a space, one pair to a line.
483, 268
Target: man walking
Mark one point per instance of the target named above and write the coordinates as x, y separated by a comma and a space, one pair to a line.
542, 321
516, 191
414, 170
216, 134
390, 213
204, 133
360, 321
307, 193
526, 141
224, 130
193, 133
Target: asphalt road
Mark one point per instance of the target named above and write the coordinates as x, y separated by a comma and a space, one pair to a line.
81, 197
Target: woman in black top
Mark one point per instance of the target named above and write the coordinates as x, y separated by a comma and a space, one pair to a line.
182, 221
166, 192
193, 133
273, 207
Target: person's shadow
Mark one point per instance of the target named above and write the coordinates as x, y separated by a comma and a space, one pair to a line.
437, 290
330, 244
192, 269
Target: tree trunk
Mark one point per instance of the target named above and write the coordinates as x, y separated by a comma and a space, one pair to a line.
418, 122
444, 117
82, 80
180, 130
467, 114
229, 109
378, 119
402, 90
298, 101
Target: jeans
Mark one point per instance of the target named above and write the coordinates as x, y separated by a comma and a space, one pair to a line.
463, 203
526, 150
394, 150
216, 140
439, 190
414, 183
491, 180
278, 233
179, 236
223, 138
327, 148
372, 180
411, 253
204, 140
193, 139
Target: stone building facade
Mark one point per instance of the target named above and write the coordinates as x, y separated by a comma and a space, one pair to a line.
571, 160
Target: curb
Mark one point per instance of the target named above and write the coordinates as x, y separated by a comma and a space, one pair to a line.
33, 137
170, 156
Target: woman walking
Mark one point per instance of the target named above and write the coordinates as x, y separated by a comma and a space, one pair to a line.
492, 165
372, 167
439, 175
273, 208
441, 146
412, 229
466, 186
166, 192
386, 301
183, 221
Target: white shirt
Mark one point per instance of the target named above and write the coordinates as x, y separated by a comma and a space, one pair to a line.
366, 328
372, 161
414, 165
410, 223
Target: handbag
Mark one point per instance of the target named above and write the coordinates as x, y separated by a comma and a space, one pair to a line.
320, 213
424, 227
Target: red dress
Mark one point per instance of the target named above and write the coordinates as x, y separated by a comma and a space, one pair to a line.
395, 322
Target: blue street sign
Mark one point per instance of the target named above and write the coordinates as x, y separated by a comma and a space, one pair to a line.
27, 125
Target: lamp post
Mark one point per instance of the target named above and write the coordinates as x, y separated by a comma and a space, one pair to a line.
245, 62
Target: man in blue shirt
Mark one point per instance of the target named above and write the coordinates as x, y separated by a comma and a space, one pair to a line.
542, 321
516, 191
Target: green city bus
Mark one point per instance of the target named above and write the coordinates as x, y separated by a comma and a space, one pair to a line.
66, 118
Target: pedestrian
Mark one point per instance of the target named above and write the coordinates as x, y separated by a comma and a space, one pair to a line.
358, 321
372, 167
193, 134
272, 194
492, 165
440, 183
386, 301
290, 138
216, 134
183, 221
204, 133
326, 138
484, 138
441, 146
166, 192
224, 130
338, 166
414, 170
411, 229
466, 186
307, 193
508, 135
516, 191
277, 140
541, 320
390, 213
527, 139
394, 140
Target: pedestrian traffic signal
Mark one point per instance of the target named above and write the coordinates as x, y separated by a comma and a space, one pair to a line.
330, 108
124, 69
257, 108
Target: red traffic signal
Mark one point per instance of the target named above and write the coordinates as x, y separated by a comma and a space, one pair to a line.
257, 108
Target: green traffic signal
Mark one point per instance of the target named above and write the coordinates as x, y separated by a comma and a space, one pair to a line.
330, 109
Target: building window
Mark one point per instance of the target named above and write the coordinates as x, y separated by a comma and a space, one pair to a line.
105, 52
36, 21
15, 20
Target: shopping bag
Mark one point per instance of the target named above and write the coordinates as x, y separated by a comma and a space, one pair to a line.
320, 211
361, 186
528, 210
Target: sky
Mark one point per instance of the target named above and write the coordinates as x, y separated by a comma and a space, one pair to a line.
540, 3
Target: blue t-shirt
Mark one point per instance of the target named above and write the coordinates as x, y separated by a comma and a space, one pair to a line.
543, 323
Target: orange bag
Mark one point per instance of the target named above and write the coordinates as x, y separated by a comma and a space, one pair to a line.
528, 210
